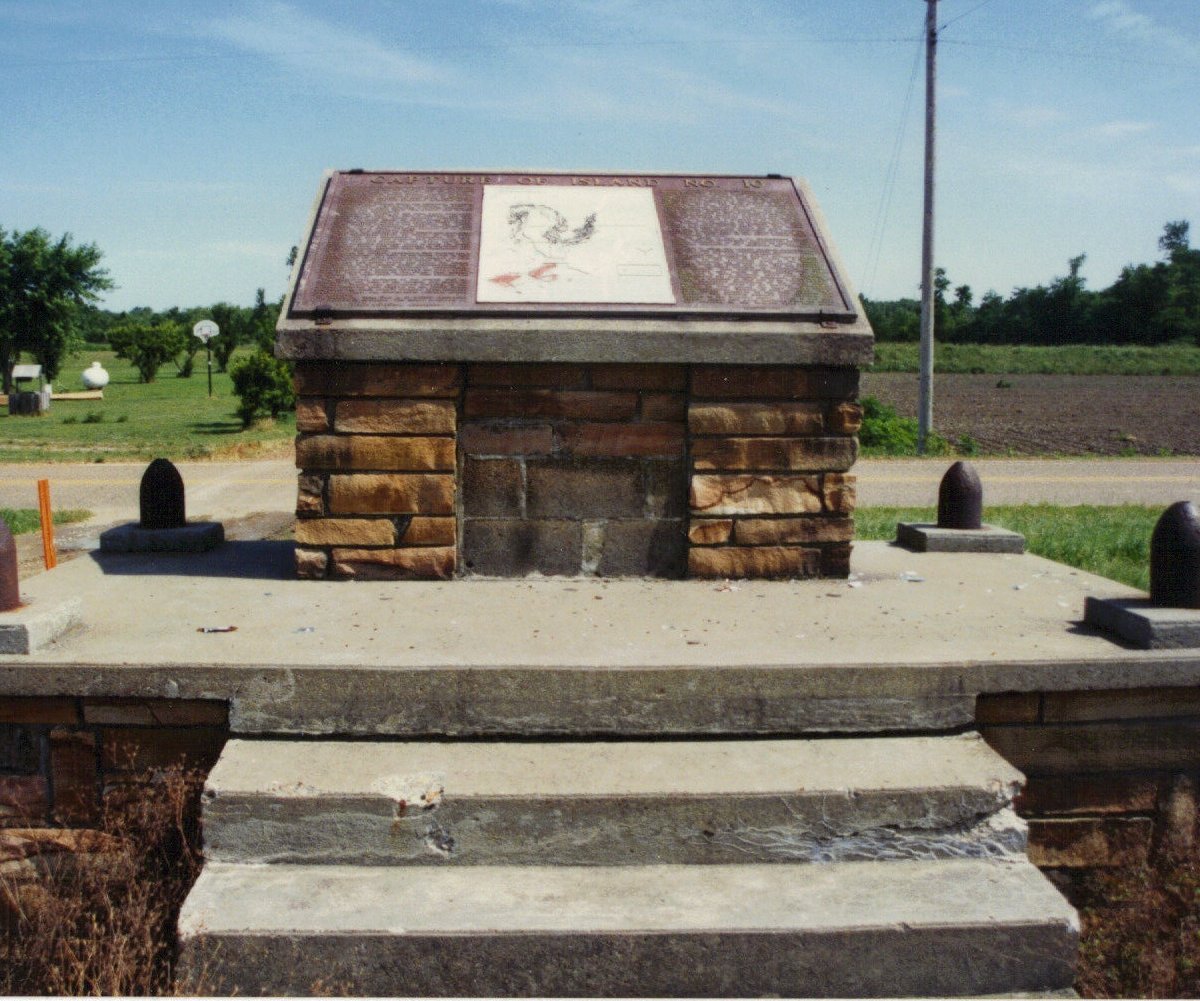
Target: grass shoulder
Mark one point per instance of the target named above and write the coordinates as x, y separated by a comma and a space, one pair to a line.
23, 519
1070, 359
1113, 542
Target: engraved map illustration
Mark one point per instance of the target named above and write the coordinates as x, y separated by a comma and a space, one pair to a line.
563, 245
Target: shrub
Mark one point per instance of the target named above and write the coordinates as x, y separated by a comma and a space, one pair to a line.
147, 346
263, 384
884, 432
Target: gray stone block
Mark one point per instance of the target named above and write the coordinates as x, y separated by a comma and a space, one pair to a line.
666, 489
492, 488
585, 488
611, 803
38, 623
20, 749
854, 929
928, 538
1144, 625
507, 547
197, 537
643, 548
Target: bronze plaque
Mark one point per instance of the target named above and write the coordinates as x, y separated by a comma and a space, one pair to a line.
395, 244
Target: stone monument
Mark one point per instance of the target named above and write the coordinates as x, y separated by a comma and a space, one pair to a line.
572, 374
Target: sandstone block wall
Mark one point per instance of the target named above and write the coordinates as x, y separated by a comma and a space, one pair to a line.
376, 444
60, 757
1112, 775
425, 471
769, 494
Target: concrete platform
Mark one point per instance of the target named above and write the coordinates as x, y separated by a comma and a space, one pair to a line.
611, 803
956, 927
906, 643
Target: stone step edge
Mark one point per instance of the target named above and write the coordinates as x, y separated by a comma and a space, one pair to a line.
595, 839
416, 771
852, 929
614, 803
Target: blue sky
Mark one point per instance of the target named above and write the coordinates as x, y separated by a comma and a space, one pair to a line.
187, 139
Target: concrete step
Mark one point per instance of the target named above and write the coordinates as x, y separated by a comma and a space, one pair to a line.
854, 929
610, 803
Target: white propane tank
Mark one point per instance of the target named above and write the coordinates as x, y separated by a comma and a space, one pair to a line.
95, 377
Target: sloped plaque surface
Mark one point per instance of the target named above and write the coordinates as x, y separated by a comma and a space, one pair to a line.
393, 244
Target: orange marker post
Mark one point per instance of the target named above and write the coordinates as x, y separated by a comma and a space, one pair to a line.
49, 556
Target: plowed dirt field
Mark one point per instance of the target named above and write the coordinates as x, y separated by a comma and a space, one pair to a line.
1056, 414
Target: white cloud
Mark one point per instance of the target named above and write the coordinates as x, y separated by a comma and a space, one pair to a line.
1031, 116
1121, 18
1120, 129
1185, 184
310, 45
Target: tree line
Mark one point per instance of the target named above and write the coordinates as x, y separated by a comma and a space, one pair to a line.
49, 290
149, 339
1148, 304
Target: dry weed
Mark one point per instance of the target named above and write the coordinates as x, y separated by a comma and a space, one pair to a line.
1141, 928
103, 922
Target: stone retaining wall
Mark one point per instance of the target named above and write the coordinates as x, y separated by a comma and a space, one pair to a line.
60, 757
1111, 774
427, 471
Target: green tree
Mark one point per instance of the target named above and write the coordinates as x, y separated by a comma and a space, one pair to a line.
263, 384
1174, 237
44, 286
1181, 316
262, 320
235, 325
148, 346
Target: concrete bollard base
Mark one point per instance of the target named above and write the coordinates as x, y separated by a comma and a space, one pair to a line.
198, 537
1144, 625
37, 623
927, 538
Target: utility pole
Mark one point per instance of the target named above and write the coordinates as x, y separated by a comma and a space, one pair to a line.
925, 387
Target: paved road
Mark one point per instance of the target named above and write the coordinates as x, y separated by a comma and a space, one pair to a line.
230, 489
1028, 481
215, 490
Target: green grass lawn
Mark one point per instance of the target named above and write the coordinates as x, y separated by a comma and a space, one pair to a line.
1113, 542
171, 417
25, 519
1073, 359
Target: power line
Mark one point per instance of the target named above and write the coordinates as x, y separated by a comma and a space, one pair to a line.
893, 169
1043, 50
966, 13
674, 43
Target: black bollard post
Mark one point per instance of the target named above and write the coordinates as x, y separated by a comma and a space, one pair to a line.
162, 504
10, 592
960, 498
1175, 558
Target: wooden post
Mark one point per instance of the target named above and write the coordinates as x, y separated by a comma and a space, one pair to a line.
49, 556
928, 271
